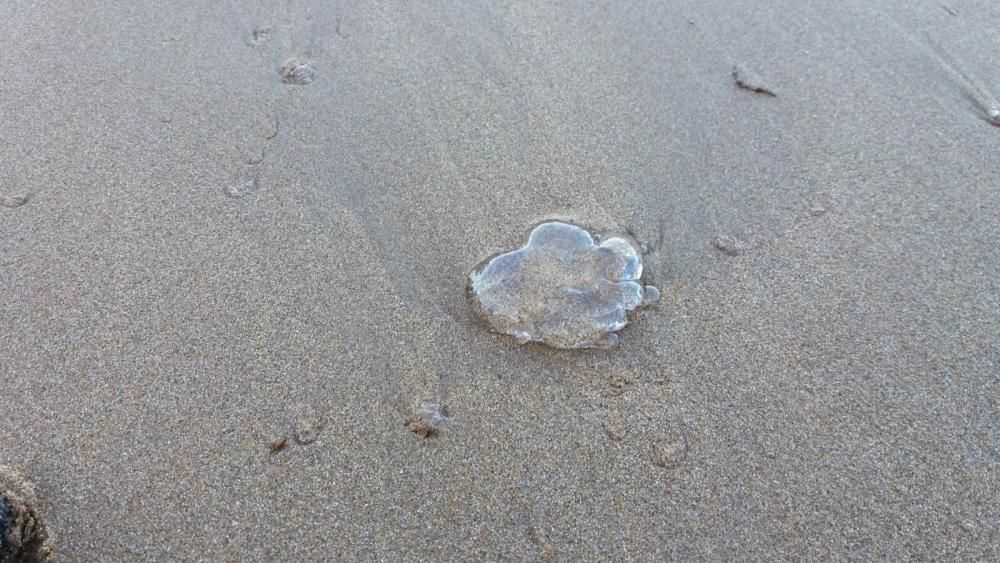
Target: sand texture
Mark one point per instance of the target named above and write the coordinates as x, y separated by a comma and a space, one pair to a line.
235, 238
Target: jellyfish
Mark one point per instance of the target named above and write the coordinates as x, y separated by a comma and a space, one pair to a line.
563, 288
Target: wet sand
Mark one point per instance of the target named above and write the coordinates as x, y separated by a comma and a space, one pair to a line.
203, 253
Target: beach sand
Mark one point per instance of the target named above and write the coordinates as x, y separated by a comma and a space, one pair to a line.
226, 290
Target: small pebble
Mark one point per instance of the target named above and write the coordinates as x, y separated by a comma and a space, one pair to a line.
267, 126
256, 157
728, 245
615, 428
993, 116
748, 80
428, 420
260, 35
14, 201
670, 453
279, 445
296, 72
242, 188
307, 431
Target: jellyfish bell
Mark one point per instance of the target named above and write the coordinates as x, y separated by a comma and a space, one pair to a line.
562, 288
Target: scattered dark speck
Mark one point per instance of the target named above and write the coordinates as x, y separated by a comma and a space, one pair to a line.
670, 452
278, 445
296, 72
338, 29
307, 430
256, 158
242, 188
620, 382
268, 127
748, 80
422, 428
12, 202
427, 420
260, 35
5, 519
615, 427
728, 245
818, 204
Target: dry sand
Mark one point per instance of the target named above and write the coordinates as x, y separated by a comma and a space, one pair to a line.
199, 259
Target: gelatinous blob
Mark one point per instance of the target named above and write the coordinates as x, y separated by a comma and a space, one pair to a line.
563, 288
428, 420
652, 296
243, 187
295, 71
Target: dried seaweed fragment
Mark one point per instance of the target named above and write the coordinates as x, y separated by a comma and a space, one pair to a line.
749, 80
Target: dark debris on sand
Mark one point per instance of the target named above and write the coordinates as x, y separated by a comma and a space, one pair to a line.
748, 80
427, 420
23, 536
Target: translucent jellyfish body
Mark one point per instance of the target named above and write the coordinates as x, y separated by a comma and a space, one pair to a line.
563, 288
